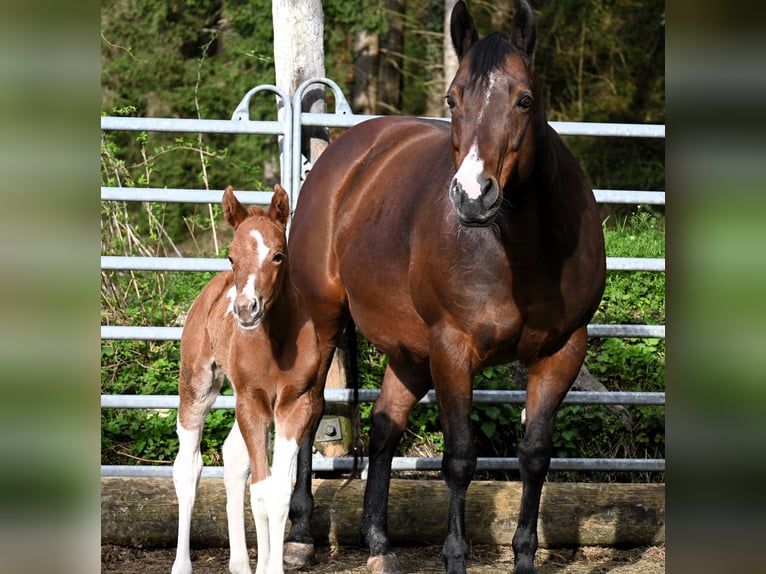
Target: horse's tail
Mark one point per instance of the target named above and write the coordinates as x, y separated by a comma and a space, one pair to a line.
352, 375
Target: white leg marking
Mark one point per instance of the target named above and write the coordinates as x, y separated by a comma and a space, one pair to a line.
186, 471
282, 475
259, 500
270, 499
236, 469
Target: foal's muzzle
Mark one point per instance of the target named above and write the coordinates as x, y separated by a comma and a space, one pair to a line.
479, 209
249, 313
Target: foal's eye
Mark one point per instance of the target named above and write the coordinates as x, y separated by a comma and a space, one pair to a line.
525, 102
231, 261
278, 257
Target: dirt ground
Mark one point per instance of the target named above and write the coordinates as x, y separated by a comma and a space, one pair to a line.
424, 559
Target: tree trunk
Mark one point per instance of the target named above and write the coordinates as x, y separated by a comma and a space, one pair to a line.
298, 56
143, 512
364, 99
392, 50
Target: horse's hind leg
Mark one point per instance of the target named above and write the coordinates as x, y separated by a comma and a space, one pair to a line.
236, 469
198, 388
403, 386
549, 381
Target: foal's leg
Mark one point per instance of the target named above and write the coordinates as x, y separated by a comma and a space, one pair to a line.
198, 388
549, 381
254, 419
291, 422
299, 543
236, 469
403, 386
452, 374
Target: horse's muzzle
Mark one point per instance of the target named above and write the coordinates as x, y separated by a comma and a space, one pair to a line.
476, 211
249, 313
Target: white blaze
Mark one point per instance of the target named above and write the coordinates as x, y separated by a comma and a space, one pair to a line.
262, 250
470, 172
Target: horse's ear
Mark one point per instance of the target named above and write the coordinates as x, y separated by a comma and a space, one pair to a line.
233, 210
524, 31
279, 210
462, 29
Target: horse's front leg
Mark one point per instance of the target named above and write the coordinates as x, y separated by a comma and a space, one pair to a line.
254, 416
403, 386
453, 380
549, 381
293, 420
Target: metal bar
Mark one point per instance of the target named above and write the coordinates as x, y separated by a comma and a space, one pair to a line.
135, 263
181, 195
115, 332
629, 196
626, 196
635, 264
178, 125
480, 396
345, 464
563, 128
141, 333
651, 331
165, 263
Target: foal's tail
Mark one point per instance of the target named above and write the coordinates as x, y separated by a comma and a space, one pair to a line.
352, 373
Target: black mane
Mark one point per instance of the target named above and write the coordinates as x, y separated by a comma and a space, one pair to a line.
488, 54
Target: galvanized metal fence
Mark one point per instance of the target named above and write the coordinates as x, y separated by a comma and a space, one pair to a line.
291, 119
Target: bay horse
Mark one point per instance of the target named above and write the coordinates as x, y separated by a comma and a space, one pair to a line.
452, 247
250, 325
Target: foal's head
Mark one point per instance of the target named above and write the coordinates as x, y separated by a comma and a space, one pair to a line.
258, 255
494, 112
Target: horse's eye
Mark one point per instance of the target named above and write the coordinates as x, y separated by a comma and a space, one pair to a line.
231, 261
525, 101
278, 257
451, 101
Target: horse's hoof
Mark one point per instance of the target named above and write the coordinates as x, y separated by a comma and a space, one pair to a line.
298, 555
383, 564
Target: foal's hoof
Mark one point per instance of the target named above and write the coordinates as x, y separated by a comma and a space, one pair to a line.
383, 564
298, 555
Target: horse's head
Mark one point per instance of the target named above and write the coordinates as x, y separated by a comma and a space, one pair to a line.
258, 255
494, 112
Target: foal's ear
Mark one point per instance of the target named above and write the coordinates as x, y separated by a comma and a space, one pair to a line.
233, 210
524, 30
462, 29
279, 210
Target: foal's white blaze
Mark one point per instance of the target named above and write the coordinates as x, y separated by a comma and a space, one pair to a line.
248, 290
469, 174
262, 249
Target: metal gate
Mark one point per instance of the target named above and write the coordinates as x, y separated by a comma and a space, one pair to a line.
294, 167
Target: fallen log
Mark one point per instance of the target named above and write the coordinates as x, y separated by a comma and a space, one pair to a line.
143, 512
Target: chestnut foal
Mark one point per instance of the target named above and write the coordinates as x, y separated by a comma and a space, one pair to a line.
249, 325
